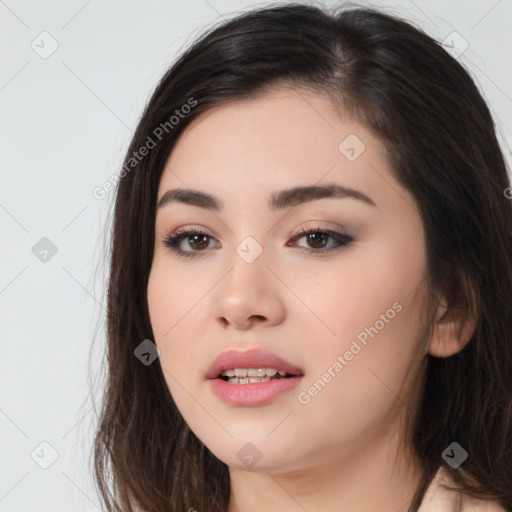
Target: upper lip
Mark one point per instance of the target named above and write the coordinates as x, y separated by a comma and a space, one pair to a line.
252, 358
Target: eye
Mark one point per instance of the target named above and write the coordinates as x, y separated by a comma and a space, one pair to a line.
319, 238
199, 240
195, 237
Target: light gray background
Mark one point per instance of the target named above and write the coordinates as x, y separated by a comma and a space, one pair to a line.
65, 122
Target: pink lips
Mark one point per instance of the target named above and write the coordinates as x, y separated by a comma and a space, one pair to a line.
253, 394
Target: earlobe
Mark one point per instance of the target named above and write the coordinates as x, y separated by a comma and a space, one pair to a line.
452, 331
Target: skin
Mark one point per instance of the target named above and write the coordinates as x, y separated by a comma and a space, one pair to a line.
340, 450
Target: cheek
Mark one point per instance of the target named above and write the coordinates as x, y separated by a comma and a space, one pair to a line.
173, 310
373, 306
173, 299
365, 290
353, 399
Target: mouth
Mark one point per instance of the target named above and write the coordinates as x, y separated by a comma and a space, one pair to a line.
251, 366
252, 378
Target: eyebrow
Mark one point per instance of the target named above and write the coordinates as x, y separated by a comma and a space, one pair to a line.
278, 200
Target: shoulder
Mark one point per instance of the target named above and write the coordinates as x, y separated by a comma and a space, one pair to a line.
439, 499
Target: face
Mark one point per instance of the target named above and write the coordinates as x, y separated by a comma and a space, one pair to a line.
337, 309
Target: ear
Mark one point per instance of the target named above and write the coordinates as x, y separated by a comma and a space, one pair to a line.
453, 329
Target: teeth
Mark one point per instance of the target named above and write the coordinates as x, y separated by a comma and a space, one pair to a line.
247, 380
252, 372
261, 372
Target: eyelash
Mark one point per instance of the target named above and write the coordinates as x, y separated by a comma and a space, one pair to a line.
173, 239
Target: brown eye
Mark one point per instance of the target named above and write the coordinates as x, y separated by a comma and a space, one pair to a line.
196, 239
318, 238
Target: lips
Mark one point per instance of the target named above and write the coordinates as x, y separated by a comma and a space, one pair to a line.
252, 358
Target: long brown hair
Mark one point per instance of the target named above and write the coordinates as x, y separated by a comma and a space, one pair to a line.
441, 141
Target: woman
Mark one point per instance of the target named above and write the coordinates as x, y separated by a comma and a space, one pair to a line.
311, 261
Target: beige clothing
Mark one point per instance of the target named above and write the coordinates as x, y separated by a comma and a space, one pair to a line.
438, 499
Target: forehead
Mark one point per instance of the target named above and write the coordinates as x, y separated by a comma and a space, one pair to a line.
276, 139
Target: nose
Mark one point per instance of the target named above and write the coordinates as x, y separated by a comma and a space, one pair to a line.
250, 294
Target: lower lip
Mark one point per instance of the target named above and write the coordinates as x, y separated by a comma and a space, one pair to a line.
256, 393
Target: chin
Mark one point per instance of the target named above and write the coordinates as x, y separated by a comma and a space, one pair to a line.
255, 453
